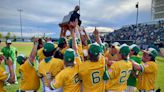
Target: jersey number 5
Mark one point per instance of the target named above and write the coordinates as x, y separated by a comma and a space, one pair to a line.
95, 77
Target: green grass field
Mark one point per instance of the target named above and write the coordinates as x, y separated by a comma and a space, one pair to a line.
25, 48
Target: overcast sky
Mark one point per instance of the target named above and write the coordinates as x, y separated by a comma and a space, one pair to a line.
43, 16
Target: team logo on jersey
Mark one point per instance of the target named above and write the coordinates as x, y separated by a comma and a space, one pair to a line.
110, 70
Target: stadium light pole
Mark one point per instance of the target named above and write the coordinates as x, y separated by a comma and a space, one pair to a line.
137, 6
20, 10
79, 6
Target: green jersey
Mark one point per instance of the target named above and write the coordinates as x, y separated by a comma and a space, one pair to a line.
132, 79
9, 52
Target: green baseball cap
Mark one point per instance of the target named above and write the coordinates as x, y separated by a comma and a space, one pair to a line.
20, 59
69, 55
48, 47
124, 49
135, 48
62, 40
102, 46
8, 41
95, 49
70, 43
151, 51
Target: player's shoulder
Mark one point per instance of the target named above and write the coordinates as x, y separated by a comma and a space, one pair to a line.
40, 50
24, 66
118, 63
84, 65
64, 72
87, 62
151, 63
4, 48
56, 61
42, 62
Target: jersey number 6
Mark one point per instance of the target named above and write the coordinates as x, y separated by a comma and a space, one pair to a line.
95, 77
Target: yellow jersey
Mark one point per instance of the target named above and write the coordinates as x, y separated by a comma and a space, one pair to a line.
68, 79
53, 67
77, 61
29, 77
3, 78
64, 49
41, 54
80, 50
146, 81
91, 74
119, 73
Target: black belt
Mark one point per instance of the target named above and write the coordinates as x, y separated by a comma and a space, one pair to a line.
23, 91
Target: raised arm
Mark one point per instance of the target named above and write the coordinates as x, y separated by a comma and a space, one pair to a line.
137, 66
63, 31
74, 43
97, 35
34, 51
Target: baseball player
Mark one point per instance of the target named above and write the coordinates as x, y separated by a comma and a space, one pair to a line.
49, 67
132, 80
62, 44
29, 78
41, 53
91, 71
119, 72
4, 76
68, 78
112, 54
146, 80
10, 52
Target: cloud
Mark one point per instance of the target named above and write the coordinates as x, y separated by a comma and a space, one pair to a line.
44, 15
27, 34
90, 29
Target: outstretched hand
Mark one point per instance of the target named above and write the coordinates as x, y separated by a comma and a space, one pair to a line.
96, 32
36, 40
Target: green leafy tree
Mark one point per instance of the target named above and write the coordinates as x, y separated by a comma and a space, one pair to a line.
1, 35
8, 35
15, 37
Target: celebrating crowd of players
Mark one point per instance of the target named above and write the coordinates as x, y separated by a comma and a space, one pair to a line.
75, 64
